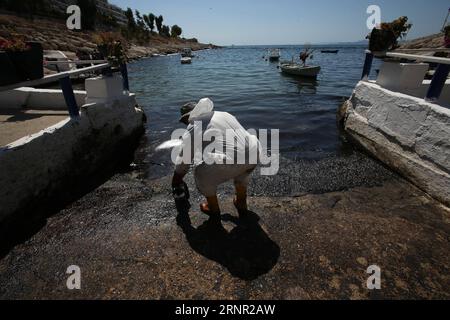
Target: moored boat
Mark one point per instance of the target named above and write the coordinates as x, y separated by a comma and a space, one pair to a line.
274, 54
187, 53
186, 60
300, 70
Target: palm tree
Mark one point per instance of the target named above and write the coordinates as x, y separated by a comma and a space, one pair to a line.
130, 18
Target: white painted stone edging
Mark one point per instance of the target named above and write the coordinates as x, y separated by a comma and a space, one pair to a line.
34, 167
407, 133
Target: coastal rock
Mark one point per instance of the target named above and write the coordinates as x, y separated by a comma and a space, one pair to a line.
429, 42
54, 35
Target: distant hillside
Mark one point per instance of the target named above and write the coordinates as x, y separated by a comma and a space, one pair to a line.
54, 35
435, 41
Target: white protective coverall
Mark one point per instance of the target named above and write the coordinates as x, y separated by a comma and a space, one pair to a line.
224, 151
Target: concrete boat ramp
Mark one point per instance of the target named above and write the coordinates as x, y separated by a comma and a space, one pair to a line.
131, 241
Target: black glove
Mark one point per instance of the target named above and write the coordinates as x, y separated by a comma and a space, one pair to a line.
181, 191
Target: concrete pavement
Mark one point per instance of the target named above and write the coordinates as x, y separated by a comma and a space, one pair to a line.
16, 124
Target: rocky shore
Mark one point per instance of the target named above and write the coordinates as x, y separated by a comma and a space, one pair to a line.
54, 35
434, 41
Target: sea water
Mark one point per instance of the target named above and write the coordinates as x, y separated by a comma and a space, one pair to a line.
240, 81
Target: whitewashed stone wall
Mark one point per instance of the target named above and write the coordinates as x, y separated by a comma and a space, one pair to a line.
408, 134
52, 162
32, 98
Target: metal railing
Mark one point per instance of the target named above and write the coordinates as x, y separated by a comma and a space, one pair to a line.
439, 78
66, 83
417, 57
76, 62
422, 50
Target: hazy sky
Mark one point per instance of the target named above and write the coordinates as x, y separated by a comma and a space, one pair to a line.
227, 22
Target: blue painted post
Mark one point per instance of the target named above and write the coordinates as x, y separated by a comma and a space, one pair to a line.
367, 65
69, 96
438, 82
124, 71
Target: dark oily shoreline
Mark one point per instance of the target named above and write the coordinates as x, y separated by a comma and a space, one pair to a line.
321, 224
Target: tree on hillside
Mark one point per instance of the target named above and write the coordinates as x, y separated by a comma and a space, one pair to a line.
131, 22
145, 18
141, 34
159, 23
136, 27
176, 31
140, 21
165, 31
150, 21
88, 13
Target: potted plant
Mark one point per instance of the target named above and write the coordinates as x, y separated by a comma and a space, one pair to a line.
112, 47
8, 74
386, 36
35, 61
27, 58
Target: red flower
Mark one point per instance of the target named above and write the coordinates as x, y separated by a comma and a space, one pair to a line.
4, 44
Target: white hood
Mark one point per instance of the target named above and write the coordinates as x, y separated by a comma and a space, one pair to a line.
203, 109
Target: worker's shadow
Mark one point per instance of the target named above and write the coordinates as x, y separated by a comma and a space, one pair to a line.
246, 251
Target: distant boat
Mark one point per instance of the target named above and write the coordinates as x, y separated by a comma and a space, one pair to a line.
329, 51
187, 53
300, 70
186, 60
274, 54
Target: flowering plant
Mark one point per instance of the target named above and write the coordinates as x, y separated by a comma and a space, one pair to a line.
399, 27
112, 46
386, 37
15, 45
447, 36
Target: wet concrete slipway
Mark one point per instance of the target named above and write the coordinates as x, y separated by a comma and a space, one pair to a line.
315, 229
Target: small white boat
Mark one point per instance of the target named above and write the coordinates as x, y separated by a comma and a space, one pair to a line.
300, 70
186, 60
274, 54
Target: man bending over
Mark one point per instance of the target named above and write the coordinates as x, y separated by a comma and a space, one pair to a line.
234, 156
